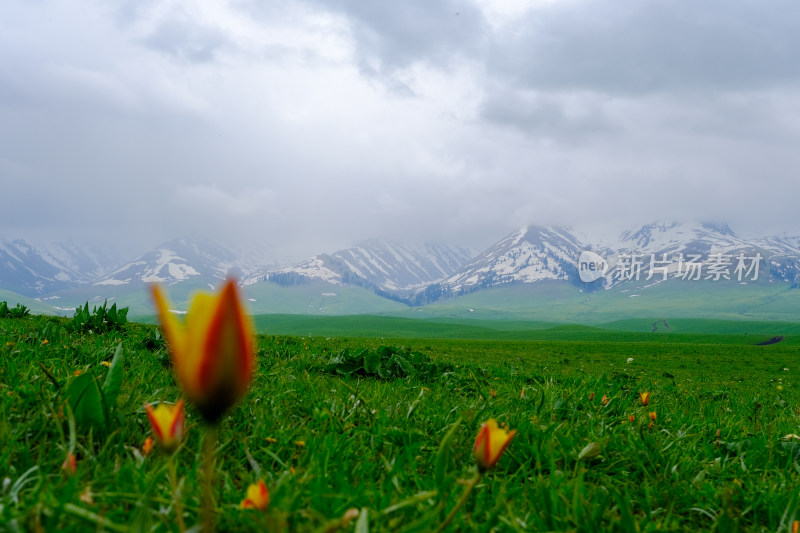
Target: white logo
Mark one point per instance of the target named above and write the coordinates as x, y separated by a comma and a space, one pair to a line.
591, 266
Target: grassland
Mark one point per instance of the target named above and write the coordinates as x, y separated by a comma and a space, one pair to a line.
327, 439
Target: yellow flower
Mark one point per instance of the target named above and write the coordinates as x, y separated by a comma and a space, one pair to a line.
605, 400
645, 397
490, 444
652, 416
257, 497
212, 351
167, 422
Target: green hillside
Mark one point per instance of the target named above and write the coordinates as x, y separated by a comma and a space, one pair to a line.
35, 306
565, 302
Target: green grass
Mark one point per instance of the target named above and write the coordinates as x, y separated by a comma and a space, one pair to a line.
715, 459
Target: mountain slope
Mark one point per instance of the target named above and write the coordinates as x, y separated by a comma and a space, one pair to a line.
388, 267
176, 261
33, 269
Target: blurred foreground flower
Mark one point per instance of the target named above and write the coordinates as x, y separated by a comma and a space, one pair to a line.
147, 446
212, 351
70, 464
167, 422
645, 397
492, 440
257, 497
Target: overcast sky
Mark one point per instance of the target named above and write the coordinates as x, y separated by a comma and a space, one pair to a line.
309, 125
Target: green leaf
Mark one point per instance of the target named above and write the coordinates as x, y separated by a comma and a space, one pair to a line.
362, 525
113, 382
86, 401
443, 455
372, 362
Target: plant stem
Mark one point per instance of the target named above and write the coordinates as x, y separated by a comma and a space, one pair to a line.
460, 503
208, 506
176, 497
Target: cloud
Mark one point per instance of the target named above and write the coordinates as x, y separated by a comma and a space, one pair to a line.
312, 124
628, 47
218, 202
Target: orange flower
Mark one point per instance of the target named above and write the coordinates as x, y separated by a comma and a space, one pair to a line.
605, 400
212, 351
652, 416
70, 464
645, 397
591, 396
631, 418
167, 422
257, 497
147, 446
490, 444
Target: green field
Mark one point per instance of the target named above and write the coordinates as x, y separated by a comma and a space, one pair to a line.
328, 437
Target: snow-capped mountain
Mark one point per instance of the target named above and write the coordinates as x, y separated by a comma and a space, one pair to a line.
33, 269
534, 254
415, 275
176, 261
390, 267
527, 255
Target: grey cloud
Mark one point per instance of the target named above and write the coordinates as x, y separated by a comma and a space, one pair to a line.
557, 118
392, 35
631, 47
187, 40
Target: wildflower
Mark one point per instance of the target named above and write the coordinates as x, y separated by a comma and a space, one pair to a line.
45, 342
652, 416
147, 446
522, 394
796, 526
167, 422
591, 397
645, 397
105, 363
492, 393
257, 497
605, 400
212, 350
631, 419
70, 464
490, 444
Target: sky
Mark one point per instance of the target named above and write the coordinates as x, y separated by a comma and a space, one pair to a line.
305, 126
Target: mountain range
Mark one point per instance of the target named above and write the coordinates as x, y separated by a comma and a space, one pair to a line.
382, 276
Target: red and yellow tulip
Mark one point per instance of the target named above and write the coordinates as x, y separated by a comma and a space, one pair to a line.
490, 444
645, 397
167, 422
212, 350
257, 497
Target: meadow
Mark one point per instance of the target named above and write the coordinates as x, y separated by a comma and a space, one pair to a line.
371, 426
